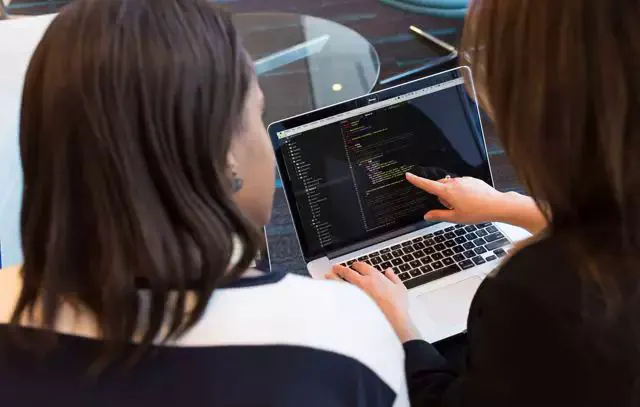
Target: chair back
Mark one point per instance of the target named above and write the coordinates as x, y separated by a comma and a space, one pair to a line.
24, 35
3, 11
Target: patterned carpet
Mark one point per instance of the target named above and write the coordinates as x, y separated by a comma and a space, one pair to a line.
387, 29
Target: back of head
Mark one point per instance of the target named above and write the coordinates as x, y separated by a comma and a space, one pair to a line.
560, 80
128, 115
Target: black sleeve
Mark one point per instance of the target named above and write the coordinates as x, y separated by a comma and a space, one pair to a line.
428, 374
514, 354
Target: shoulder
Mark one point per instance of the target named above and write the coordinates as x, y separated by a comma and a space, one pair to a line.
10, 286
347, 317
345, 302
542, 274
10, 273
533, 300
537, 260
352, 325
309, 299
320, 299
298, 311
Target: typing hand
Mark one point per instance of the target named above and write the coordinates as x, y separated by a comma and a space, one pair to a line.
387, 291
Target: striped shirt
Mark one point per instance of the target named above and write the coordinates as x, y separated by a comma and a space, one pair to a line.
273, 340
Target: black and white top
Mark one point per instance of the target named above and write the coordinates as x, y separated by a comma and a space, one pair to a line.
275, 340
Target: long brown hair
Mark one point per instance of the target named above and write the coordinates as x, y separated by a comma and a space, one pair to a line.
128, 115
560, 79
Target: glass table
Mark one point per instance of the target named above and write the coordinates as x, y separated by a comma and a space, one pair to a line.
305, 63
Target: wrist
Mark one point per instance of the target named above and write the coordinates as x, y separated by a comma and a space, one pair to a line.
405, 329
522, 211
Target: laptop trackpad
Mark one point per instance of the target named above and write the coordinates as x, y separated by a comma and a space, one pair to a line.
449, 306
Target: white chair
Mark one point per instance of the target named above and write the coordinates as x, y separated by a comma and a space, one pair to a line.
3, 9
18, 40
5, 14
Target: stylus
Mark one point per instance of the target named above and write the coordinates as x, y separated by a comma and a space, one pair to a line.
435, 40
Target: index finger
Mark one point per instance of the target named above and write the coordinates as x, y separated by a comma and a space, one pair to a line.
348, 274
433, 187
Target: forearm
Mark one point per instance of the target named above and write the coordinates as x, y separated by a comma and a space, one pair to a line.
522, 211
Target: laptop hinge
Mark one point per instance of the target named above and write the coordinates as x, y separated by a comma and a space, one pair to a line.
378, 239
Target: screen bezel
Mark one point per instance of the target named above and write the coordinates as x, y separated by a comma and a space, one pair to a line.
346, 106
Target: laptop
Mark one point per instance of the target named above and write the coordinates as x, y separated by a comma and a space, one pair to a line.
262, 261
343, 173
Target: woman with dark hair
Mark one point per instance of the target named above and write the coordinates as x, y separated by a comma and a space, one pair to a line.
559, 323
148, 175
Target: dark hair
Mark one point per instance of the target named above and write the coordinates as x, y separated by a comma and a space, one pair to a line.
560, 79
128, 114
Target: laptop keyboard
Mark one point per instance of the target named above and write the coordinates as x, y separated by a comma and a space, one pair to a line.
439, 254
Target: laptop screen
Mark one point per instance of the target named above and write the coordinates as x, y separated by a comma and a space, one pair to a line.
343, 168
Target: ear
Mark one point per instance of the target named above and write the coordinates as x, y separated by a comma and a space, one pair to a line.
232, 172
232, 162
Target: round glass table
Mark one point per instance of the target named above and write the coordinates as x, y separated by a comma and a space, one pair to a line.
305, 63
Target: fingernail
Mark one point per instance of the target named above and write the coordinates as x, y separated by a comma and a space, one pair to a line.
410, 175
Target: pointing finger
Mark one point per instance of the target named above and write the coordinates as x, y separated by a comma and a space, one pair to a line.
433, 187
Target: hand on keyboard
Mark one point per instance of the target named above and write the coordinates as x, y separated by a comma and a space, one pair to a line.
386, 289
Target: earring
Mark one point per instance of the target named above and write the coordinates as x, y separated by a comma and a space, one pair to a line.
236, 182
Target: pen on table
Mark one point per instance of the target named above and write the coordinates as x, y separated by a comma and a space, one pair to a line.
433, 39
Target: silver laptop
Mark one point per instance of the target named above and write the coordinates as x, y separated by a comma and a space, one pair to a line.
343, 172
